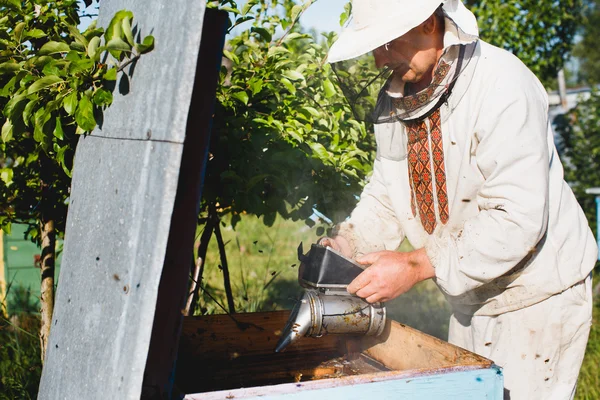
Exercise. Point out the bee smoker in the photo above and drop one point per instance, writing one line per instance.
(326, 307)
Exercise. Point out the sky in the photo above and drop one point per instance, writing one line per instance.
(323, 15)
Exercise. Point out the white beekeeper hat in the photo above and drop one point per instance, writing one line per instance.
(377, 22)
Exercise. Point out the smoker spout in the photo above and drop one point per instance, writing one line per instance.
(298, 324)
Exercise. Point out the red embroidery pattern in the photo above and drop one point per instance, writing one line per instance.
(411, 103)
(420, 171)
(437, 150)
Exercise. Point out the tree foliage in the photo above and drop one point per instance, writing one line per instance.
(54, 83)
(586, 49)
(540, 33)
(283, 137)
(579, 132)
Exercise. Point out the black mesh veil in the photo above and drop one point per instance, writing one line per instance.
(378, 96)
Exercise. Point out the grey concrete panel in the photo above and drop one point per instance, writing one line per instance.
(123, 192)
(117, 232)
(154, 101)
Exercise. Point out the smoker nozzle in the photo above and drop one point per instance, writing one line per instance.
(297, 325)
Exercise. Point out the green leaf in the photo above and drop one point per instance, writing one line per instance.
(312, 111)
(346, 14)
(117, 44)
(58, 130)
(44, 83)
(14, 105)
(17, 32)
(126, 25)
(41, 117)
(249, 4)
(277, 50)
(77, 47)
(14, 4)
(231, 56)
(241, 96)
(84, 116)
(60, 157)
(146, 46)
(255, 85)
(35, 34)
(6, 174)
(42, 60)
(295, 12)
(262, 32)
(295, 135)
(92, 48)
(7, 227)
(320, 150)
(79, 38)
(288, 85)
(82, 65)
(293, 75)
(70, 103)
(111, 74)
(114, 29)
(51, 68)
(102, 97)
(231, 10)
(7, 131)
(329, 88)
(296, 35)
(29, 110)
(9, 66)
(255, 179)
(54, 48)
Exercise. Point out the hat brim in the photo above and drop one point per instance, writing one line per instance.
(356, 41)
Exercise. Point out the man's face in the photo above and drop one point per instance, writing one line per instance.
(412, 56)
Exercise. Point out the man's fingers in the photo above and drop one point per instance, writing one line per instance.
(327, 241)
(374, 298)
(368, 259)
(359, 282)
(366, 291)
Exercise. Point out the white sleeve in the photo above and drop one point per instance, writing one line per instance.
(373, 225)
(513, 157)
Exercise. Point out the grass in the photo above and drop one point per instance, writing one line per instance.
(588, 386)
(263, 265)
(20, 364)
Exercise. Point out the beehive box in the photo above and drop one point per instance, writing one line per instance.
(232, 357)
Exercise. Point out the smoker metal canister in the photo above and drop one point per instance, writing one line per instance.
(317, 314)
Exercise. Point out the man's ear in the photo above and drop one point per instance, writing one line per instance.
(429, 26)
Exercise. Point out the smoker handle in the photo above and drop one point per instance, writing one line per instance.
(301, 256)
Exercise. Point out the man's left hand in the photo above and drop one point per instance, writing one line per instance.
(390, 274)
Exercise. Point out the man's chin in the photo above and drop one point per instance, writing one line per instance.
(406, 76)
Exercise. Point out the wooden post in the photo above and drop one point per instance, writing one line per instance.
(3, 305)
(47, 285)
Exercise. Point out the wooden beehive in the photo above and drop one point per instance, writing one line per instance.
(232, 357)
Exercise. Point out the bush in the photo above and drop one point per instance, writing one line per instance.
(588, 387)
(20, 361)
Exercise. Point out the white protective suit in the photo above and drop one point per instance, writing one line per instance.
(514, 253)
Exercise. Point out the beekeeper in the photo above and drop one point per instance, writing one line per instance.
(467, 171)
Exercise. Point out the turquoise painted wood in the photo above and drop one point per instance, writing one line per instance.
(477, 384)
